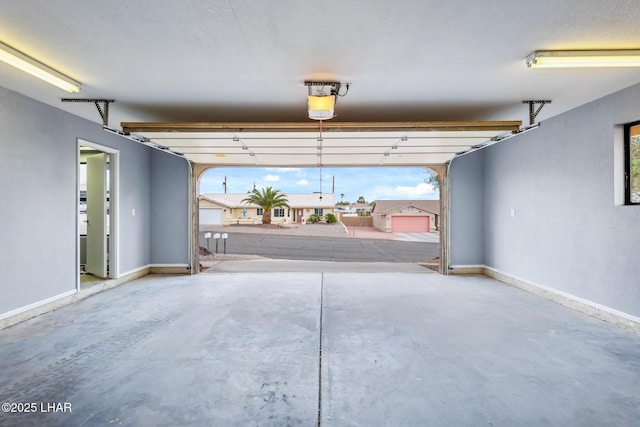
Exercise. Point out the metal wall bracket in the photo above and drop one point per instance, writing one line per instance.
(326, 88)
(532, 113)
(104, 110)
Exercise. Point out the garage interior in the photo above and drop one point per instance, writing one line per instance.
(533, 319)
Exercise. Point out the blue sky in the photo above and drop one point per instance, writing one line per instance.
(372, 183)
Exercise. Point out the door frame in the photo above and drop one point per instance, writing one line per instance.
(114, 211)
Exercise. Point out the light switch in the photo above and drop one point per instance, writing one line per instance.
(513, 213)
(133, 212)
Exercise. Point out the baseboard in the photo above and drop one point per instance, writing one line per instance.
(161, 269)
(574, 302)
(112, 283)
(135, 270)
(50, 304)
(467, 269)
(170, 269)
(23, 313)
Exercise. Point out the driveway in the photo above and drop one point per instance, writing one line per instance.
(316, 248)
(418, 237)
(325, 230)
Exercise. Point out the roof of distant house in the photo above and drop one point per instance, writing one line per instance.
(387, 206)
(366, 206)
(308, 200)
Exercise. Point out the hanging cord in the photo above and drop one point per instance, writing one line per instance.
(320, 158)
(319, 146)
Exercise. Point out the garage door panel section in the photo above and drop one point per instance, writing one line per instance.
(410, 224)
(210, 216)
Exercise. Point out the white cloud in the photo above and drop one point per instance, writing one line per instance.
(271, 178)
(401, 192)
(302, 182)
(419, 190)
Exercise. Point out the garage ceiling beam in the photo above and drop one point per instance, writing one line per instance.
(129, 127)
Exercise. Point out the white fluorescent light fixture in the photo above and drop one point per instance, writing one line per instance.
(37, 69)
(584, 58)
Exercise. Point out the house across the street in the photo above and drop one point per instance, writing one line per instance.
(406, 216)
(226, 209)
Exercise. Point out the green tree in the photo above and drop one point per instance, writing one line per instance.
(267, 199)
(361, 200)
(433, 179)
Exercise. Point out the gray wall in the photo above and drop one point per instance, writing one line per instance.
(135, 231)
(567, 233)
(38, 154)
(466, 177)
(169, 209)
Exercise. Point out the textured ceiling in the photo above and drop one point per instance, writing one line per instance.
(244, 60)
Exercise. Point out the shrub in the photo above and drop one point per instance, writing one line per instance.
(313, 219)
(331, 218)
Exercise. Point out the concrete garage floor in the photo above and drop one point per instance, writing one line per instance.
(397, 349)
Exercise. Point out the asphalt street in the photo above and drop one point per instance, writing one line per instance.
(325, 248)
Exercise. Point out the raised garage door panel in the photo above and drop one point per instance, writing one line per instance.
(210, 216)
(410, 224)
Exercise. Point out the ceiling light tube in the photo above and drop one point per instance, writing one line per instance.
(37, 69)
(584, 58)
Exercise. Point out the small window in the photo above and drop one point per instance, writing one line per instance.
(318, 211)
(259, 211)
(278, 213)
(632, 163)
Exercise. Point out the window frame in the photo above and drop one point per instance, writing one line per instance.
(627, 164)
(319, 212)
(276, 211)
(259, 211)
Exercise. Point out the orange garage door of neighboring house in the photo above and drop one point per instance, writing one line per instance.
(410, 224)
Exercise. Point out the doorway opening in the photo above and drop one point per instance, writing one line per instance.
(333, 214)
(97, 213)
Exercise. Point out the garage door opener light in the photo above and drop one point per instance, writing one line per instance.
(321, 99)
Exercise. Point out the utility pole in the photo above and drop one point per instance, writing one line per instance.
(225, 184)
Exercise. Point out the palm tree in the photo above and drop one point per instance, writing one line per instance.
(267, 200)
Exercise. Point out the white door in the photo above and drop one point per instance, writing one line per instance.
(97, 215)
(210, 216)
